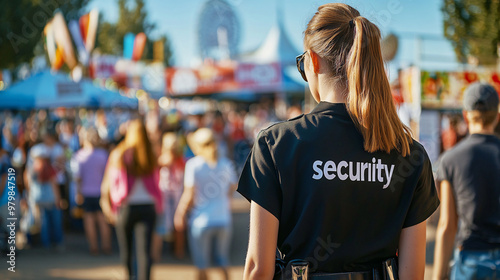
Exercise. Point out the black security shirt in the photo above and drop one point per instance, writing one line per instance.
(339, 207)
(473, 169)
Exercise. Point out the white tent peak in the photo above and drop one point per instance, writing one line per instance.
(277, 46)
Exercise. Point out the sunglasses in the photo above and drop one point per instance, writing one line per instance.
(300, 65)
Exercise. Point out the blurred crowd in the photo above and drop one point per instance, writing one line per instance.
(65, 157)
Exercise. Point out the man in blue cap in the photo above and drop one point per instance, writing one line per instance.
(469, 180)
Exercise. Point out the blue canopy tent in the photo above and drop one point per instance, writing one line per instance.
(52, 89)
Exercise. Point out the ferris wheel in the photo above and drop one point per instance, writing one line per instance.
(218, 31)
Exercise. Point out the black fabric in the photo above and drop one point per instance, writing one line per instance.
(337, 225)
(136, 223)
(473, 169)
(91, 204)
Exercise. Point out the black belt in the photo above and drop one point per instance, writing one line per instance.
(387, 271)
(368, 275)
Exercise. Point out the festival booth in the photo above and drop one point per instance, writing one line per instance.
(267, 71)
(439, 95)
(51, 89)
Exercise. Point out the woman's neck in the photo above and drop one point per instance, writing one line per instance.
(330, 91)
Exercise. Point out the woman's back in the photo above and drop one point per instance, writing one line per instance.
(339, 207)
(89, 166)
(212, 185)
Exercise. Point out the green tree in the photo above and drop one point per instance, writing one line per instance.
(130, 19)
(473, 26)
(22, 23)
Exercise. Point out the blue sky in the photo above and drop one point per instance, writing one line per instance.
(405, 18)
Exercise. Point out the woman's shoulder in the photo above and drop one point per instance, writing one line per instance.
(281, 128)
(194, 162)
(418, 153)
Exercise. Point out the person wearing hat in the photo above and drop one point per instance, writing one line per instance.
(469, 176)
(209, 182)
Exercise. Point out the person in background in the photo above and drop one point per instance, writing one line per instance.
(6, 191)
(171, 165)
(469, 176)
(55, 151)
(68, 137)
(44, 198)
(88, 166)
(209, 182)
(130, 189)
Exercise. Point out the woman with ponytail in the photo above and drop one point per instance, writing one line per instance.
(344, 189)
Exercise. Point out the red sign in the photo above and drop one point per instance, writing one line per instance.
(213, 78)
(259, 76)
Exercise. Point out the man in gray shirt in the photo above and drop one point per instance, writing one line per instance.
(469, 176)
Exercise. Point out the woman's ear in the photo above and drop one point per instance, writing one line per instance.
(315, 61)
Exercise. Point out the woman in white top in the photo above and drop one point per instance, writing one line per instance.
(209, 182)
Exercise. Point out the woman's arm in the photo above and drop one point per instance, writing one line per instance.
(57, 194)
(412, 252)
(261, 254)
(104, 201)
(446, 230)
(185, 204)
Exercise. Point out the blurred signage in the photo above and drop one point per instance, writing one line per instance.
(208, 78)
(68, 88)
(430, 133)
(153, 77)
(213, 78)
(446, 89)
(103, 66)
(255, 76)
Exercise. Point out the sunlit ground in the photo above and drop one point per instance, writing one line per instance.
(75, 263)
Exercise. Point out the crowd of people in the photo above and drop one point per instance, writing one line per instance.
(165, 175)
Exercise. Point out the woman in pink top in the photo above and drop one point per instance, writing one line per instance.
(131, 190)
(172, 165)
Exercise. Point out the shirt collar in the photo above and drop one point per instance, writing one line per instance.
(330, 108)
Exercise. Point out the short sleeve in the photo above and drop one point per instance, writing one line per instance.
(57, 151)
(229, 172)
(425, 198)
(189, 174)
(259, 179)
(75, 167)
(443, 172)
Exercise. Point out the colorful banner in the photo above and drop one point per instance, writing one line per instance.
(139, 44)
(212, 78)
(259, 76)
(63, 40)
(128, 45)
(83, 54)
(209, 78)
(91, 32)
(446, 89)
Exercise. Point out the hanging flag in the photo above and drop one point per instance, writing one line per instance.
(159, 51)
(63, 40)
(49, 42)
(128, 45)
(84, 26)
(58, 60)
(139, 44)
(74, 29)
(91, 30)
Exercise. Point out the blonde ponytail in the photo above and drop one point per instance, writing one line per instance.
(369, 101)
